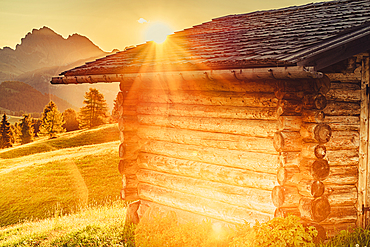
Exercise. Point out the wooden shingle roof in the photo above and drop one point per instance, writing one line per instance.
(317, 35)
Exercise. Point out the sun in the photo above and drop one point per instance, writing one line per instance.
(157, 32)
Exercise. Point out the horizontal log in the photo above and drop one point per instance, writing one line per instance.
(285, 196)
(342, 175)
(344, 92)
(337, 108)
(345, 77)
(287, 141)
(298, 85)
(207, 139)
(343, 140)
(343, 157)
(128, 166)
(313, 151)
(125, 110)
(219, 111)
(285, 174)
(199, 205)
(250, 198)
(343, 122)
(210, 98)
(312, 132)
(288, 159)
(259, 162)
(289, 107)
(151, 210)
(340, 215)
(345, 86)
(342, 195)
(258, 128)
(314, 209)
(314, 101)
(261, 86)
(312, 116)
(289, 123)
(279, 94)
(215, 173)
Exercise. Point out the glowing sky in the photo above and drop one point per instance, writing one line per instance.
(115, 23)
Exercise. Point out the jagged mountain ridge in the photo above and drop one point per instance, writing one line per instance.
(43, 54)
(45, 48)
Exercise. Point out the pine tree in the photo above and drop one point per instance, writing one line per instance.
(115, 110)
(71, 121)
(5, 133)
(52, 121)
(26, 129)
(95, 111)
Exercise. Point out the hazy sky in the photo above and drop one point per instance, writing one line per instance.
(114, 23)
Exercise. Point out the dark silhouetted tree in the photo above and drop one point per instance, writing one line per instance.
(52, 121)
(36, 123)
(5, 133)
(71, 121)
(95, 111)
(26, 129)
(115, 110)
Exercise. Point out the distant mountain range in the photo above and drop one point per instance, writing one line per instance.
(43, 54)
(17, 97)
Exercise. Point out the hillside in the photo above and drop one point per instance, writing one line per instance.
(17, 96)
(65, 174)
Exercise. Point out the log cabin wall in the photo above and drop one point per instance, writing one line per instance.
(206, 147)
(244, 151)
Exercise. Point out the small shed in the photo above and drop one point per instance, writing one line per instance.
(248, 117)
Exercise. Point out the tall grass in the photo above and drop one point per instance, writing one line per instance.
(35, 186)
(94, 226)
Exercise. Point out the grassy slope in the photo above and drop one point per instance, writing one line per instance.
(64, 174)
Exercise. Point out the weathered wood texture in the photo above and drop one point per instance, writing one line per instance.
(251, 198)
(200, 205)
(206, 147)
(205, 171)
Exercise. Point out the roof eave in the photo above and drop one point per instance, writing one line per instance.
(335, 50)
(278, 73)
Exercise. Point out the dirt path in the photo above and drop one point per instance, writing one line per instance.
(10, 165)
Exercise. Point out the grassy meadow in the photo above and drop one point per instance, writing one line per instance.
(64, 175)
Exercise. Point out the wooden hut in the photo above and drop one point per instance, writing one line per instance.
(248, 117)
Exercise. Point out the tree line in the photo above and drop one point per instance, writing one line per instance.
(52, 122)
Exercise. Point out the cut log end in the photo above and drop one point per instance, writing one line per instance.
(314, 209)
(320, 102)
(320, 169)
(317, 189)
(320, 209)
(322, 133)
(320, 151)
